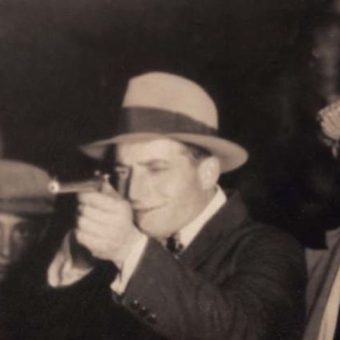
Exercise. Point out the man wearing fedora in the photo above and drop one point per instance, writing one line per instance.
(25, 214)
(190, 263)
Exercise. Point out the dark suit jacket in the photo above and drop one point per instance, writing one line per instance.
(237, 280)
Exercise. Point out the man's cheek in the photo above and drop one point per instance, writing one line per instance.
(170, 188)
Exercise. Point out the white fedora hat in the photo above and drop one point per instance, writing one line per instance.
(158, 105)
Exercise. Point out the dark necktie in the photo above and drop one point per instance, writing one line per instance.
(173, 245)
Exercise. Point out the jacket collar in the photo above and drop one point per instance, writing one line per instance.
(225, 220)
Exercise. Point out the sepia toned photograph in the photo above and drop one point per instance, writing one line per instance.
(169, 170)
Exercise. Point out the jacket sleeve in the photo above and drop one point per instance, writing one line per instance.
(255, 293)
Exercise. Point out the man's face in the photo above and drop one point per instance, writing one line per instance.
(163, 185)
(16, 235)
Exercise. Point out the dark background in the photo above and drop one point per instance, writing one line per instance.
(64, 65)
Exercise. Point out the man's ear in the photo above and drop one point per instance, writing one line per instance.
(209, 172)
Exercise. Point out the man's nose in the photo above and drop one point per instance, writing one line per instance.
(137, 187)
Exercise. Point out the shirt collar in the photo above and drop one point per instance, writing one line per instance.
(186, 235)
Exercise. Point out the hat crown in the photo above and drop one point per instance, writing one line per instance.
(171, 93)
(24, 188)
(163, 105)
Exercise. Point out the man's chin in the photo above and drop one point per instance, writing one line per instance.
(157, 230)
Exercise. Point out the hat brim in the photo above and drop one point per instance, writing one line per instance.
(230, 154)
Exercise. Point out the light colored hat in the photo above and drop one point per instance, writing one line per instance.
(160, 104)
(23, 189)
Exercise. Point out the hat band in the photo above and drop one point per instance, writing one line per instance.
(21, 205)
(141, 119)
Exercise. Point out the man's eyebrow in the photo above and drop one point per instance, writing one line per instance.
(155, 162)
(33, 219)
(33, 224)
(144, 163)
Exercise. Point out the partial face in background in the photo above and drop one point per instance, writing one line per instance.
(164, 185)
(17, 234)
(1, 144)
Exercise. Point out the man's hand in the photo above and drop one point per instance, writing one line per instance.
(105, 226)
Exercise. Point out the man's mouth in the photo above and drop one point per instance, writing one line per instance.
(143, 211)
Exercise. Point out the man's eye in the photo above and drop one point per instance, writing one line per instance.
(158, 169)
(24, 231)
(121, 172)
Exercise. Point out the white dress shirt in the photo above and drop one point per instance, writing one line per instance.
(330, 317)
(63, 271)
(331, 312)
(323, 290)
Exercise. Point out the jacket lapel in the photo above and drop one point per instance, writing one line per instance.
(230, 216)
